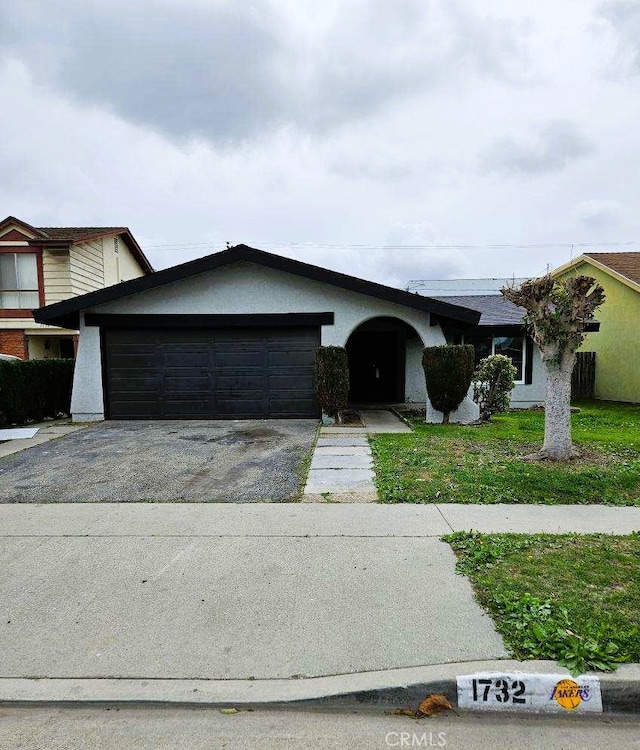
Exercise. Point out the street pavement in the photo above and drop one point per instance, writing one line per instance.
(174, 728)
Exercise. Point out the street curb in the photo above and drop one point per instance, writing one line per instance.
(386, 690)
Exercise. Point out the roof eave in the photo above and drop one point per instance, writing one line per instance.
(589, 259)
(242, 253)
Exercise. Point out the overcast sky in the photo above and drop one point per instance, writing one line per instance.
(327, 131)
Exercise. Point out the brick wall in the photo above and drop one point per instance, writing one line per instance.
(13, 342)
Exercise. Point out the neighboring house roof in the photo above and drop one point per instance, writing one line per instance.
(66, 313)
(626, 264)
(77, 234)
(623, 266)
(497, 311)
(62, 236)
(494, 309)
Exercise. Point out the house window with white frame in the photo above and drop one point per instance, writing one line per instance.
(19, 281)
(511, 346)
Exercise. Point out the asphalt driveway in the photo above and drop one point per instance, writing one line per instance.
(164, 461)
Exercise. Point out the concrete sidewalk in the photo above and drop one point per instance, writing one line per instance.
(247, 602)
(46, 431)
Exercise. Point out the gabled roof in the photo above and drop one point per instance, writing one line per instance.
(77, 234)
(494, 309)
(623, 266)
(626, 264)
(66, 313)
(63, 236)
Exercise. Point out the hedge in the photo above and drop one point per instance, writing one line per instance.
(332, 379)
(35, 389)
(448, 371)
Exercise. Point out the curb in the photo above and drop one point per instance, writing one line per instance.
(387, 690)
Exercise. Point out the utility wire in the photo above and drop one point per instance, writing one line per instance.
(324, 245)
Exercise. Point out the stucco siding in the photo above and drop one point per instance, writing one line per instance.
(86, 267)
(246, 288)
(533, 394)
(87, 396)
(415, 384)
(617, 344)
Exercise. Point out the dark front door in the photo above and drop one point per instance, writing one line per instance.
(376, 366)
(210, 374)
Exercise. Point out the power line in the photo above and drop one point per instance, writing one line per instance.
(324, 245)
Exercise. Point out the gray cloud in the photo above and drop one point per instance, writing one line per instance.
(203, 71)
(556, 145)
(624, 17)
(597, 214)
(225, 71)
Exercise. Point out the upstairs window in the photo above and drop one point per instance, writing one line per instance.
(19, 281)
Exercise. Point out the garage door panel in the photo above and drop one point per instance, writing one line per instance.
(230, 373)
(137, 385)
(185, 408)
(186, 358)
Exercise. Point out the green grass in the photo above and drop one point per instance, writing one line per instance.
(484, 464)
(572, 598)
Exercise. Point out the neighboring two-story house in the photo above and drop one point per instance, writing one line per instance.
(43, 265)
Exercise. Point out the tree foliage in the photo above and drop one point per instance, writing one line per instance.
(558, 311)
(493, 382)
(332, 379)
(448, 371)
(557, 314)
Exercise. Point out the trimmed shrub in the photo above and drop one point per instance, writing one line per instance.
(35, 389)
(448, 371)
(493, 382)
(332, 379)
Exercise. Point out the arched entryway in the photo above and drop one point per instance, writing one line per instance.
(377, 353)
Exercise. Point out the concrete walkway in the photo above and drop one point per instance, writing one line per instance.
(342, 466)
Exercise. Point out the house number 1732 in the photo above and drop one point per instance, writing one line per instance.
(499, 690)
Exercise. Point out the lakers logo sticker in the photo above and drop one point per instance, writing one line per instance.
(570, 694)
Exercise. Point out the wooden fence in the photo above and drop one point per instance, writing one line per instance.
(583, 379)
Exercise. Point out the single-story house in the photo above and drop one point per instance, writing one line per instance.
(234, 335)
(617, 345)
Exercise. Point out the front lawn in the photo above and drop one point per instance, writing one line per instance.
(484, 464)
(572, 598)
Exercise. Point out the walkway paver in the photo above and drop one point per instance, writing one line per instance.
(342, 466)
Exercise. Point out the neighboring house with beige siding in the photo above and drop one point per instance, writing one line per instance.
(43, 265)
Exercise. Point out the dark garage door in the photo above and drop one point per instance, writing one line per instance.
(206, 374)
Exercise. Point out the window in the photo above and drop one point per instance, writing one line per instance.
(18, 281)
(511, 346)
